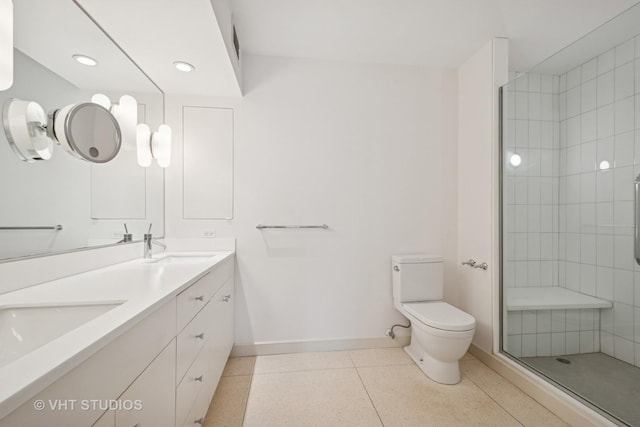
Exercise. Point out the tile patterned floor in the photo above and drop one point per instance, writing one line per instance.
(377, 387)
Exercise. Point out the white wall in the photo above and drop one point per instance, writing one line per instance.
(369, 150)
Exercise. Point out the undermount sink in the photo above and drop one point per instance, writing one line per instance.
(24, 329)
(182, 258)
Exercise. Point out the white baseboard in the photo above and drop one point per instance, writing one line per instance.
(560, 403)
(266, 348)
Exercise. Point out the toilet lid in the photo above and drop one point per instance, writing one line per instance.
(441, 315)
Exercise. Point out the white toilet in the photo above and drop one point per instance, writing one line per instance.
(440, 333)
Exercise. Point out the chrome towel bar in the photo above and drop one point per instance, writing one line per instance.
(52, 227)
(262, 227)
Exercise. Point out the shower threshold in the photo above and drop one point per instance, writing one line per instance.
(611, 384)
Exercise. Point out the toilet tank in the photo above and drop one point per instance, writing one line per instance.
(417, 277)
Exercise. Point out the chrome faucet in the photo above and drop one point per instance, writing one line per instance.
(149, 242)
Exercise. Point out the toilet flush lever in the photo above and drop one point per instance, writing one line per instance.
(470, 262)
(482, 265)
(396, 268)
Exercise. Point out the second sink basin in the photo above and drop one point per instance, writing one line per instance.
(24, 329)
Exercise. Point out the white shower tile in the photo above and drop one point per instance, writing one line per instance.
(636, 109)
(588, 95)
(520, 224)
(605, 121)
(624, 146)
(623, 183)
(625, 52)
(587, 342)
(532, 164)
(588, 187)
(606, 61)
(589, 69)
(546, 273)
(546, 218)
(623, 252)
(533, 251)
(558, 344)
(562, 83)
(623, 320)
(624, 350)
(534, 134)
(529, 343)
(529, 322)
(514, 322)
(606, 320)
(604, 251)
(573, 189)
(521, 190)
(605, 151)
(572, 275)
(637, 355)
(533, 216)
(574, 105)
(521, 246)
(587, 319)
(624, 81)
(574, 78)
(546, 83)
(623, 217)
(605, 87)
(624, 115)
(514, 345)
(546, 190)
(606, 343)
(534, 106)
(574, 157)
(522, 133)
(558, 320)
(573, 249)
(521, 274)
(533, 270)
(546, 162)
(522, 82)
(588, 279)
(543, 321)
(522, 105)
(588, 124)
(623, 286)
(546, 135)
(636, 324)
(588, 249)
(533, 191)
(604, 282)
(637, 73)
(636, 294)
(534, 82)
(573, 320)
(604, 218)
(604, 186)
(588, 156)
(548, 109)
(573, 342)
(588, 217)
(543, 344)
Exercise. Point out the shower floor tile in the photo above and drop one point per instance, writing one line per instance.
(607, 382)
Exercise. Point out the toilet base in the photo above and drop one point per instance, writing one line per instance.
(441, 372)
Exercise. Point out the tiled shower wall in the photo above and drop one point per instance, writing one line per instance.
(589, 172)
(599, 112)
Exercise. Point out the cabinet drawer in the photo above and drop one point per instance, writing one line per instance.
(221, 340)
(191, 386)
(193, 299)
(191, 340)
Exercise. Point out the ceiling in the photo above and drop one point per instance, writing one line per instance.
(437, 33)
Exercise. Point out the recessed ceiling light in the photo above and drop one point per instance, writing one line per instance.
(184, 66)
(85, 60)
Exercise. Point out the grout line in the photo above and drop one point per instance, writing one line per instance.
(368, 395)
(491, 397)
(246, 402)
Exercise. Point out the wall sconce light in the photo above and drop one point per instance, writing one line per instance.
(153, 145)
(125, 112)
(25, 124)
(6, 44)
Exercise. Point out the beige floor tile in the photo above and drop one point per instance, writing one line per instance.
(239, 366)
(404, 396)
(333, 397)
(229, 402)
(302, 362)
(468, 356)
(522, 407)
(380, 357)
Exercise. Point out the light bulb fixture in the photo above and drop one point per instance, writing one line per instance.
(515, 160)
(6, 44)
(185, 67)
(153, 145)
(126, 113)
(85, 60)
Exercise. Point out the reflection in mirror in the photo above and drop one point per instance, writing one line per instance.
(91, 201)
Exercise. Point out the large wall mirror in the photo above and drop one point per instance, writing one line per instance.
(90, 201)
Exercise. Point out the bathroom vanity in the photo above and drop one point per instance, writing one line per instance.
(134, 344)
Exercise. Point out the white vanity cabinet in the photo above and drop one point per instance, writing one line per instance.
(162, 371)
(198, 366)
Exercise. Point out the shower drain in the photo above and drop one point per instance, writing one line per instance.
(563, 360)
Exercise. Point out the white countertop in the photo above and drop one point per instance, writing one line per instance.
(550, 298)
(140, 286)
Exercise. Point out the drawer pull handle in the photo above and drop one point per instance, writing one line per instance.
(199, 421)
(200, 298)
(200, 336)
(226, 298)
(198, 378)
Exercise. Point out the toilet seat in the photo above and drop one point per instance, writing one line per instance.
(440, 315)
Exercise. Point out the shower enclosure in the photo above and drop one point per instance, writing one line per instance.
(570, 158)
